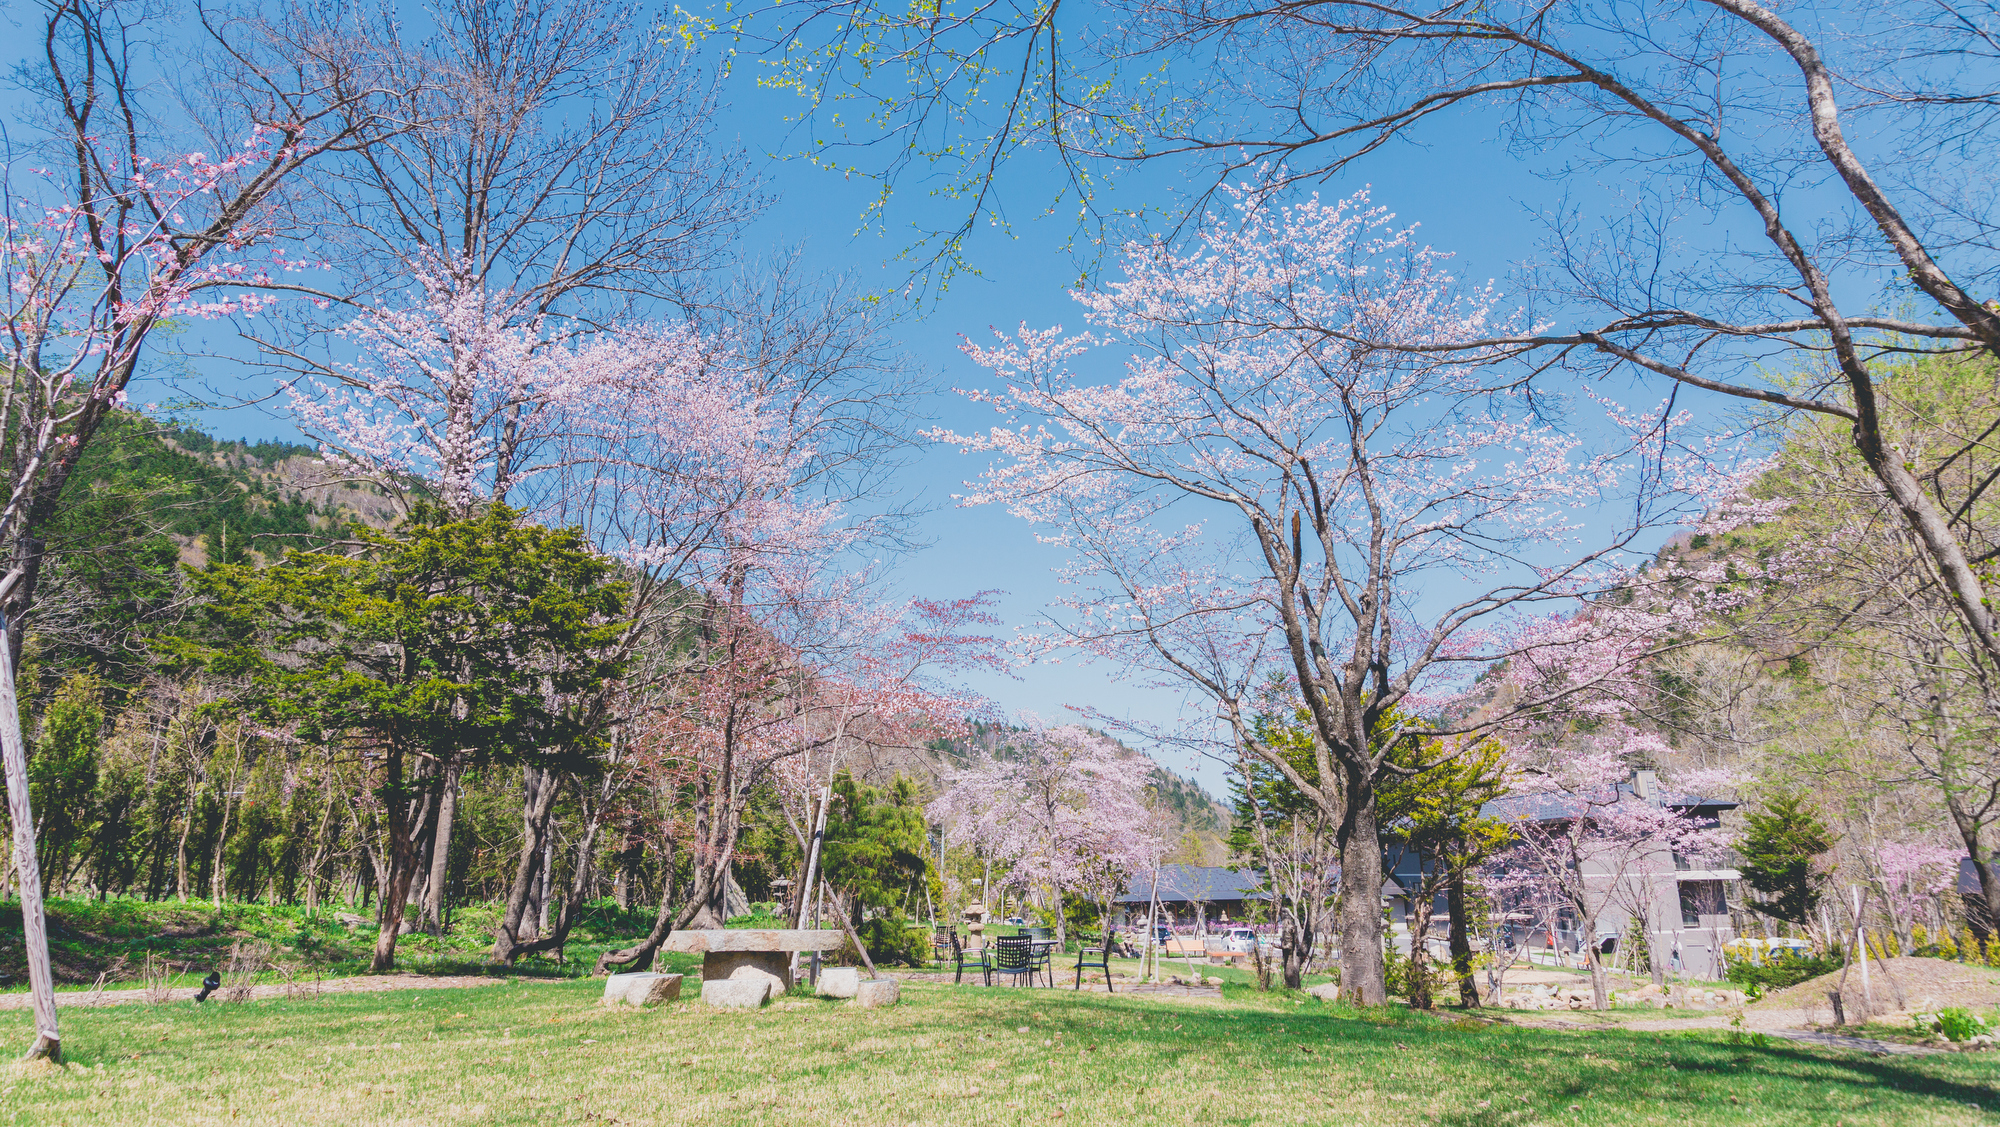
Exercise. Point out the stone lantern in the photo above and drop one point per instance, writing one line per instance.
(975, 926)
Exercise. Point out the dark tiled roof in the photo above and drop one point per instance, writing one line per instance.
(1555, 807)
(1196, 882)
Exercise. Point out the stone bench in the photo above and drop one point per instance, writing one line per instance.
(748, 955)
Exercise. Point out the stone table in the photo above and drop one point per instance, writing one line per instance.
(740, 954)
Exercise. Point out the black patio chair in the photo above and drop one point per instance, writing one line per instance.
(1014, 956)
(1096, 958)
(1045, 953)
(980, 961)
(944, 943)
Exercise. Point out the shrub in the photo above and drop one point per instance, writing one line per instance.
(1956, 1023)
(891, 939)
(1402, 975)
(1779, 971)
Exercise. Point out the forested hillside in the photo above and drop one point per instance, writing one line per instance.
(149, 498)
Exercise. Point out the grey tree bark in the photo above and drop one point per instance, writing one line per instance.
(34, 920)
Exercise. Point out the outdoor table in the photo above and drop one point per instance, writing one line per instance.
(725, 951)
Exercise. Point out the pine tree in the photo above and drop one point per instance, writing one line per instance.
(1779, 853)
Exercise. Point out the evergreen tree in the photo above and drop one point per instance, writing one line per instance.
(1780, 850)
(445, 644)
(1435, 812)
(62, 772)
(877, 855)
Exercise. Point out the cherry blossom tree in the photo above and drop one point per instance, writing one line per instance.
(1586, 840)
(1062, 807)
(673, 449)
(1913, 876)
(788, 699)
(883, 691)
(1714, 274)
(118, 234)
(1265, 490)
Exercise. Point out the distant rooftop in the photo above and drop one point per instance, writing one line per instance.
(1196, 882)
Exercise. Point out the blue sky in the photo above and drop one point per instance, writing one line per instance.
(1468, 194)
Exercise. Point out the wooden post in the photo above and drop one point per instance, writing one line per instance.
(809, 904)
(1861, 951)
(34, 923)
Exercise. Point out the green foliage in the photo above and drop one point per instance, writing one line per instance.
(115, 935)
(1413, 978)
(877, 849)
(1955, 1023)
(762, 916)
(1781, 849)
(891, 938)
(766, 850)
(1780, 970)
(1434, 811)
(459, 641)
(110, 580)
(63, 769)
(1260, 791)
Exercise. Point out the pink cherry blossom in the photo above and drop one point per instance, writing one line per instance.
(1060, 808)
(1303, 472)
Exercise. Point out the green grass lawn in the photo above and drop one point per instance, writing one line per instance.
(545, 1052)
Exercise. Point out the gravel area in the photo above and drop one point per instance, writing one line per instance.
(75, 999)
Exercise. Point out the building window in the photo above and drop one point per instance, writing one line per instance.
(1701, 898)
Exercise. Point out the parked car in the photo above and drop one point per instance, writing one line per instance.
(1240, 939)
(1015, 921)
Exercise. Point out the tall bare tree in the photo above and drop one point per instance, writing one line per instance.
(563, 170)
(123, 233)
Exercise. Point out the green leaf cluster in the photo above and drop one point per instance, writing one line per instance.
(877, 848)
(468, 641)
(1781, 849)
(1435, 809)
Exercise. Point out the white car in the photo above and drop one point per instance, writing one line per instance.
(1240, 939)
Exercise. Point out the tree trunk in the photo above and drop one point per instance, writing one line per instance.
(1600, 987)
(710, 895)
(407, 817)
(1297, 950)
(181, 854)
(1461, 941)
(218, 881)
(1421, 899)
(1982, 864)
(664, 924)
(540, 803)
(433, 915)
(545, 885)
(318, 855)
(805, 891)
(583, 876)
(34, 924)
(1362, 979)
